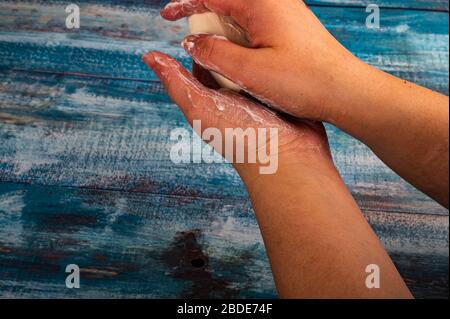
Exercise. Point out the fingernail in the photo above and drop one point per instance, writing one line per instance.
(189, 43)
(171, 10)
(171, 5)
(149, 59)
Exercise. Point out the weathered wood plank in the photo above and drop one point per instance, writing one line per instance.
(171, 246)
(437, 5)
(114, 134)
(128, 244)
(86, 124)
(403, 46)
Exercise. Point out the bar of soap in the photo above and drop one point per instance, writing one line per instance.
(212, 23)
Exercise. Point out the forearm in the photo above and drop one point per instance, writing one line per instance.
(406, 125)
(307, 73)
(318, 242)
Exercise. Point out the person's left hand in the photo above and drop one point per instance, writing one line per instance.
(200, 98)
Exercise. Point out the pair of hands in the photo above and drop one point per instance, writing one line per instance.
(297, 67)
(286, 67)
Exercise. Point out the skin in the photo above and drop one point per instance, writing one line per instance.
(313, 76)
(318, 242)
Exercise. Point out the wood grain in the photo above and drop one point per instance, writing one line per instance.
(134, 244)
(85, 175)
(436, 5)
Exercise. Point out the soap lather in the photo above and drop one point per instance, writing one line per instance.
(211, 23)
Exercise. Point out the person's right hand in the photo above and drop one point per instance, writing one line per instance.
(294, 64)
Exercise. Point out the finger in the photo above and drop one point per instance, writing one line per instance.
(222, 110)
(215, 108)
(239, 10)
(184, 89)
(178, 9)
(239, 64)
(196, 101)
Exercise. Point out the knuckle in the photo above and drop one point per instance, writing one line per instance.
(206, 49)
(244, 6)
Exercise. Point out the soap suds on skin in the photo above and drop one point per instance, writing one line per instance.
(242, 109)
(218, 28)
(180, 7)
(230, 105)
(212, 25)
(187, 45)
(221, 99)
(223, 79)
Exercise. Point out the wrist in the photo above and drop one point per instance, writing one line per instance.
(295, 170)
(357, 102)
(345, 90)
(324, 94)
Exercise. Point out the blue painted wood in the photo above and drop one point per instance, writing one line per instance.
(130, 244)
(410, 44)
(114, 134)
(437, 5)
(85, 175)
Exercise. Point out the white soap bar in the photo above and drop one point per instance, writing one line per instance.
(211, 23)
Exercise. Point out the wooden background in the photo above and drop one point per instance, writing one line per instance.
(85, 174)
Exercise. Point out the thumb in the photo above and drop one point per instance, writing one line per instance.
(239, 10)
(239, 64)
(185, 90)
(219, 109)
